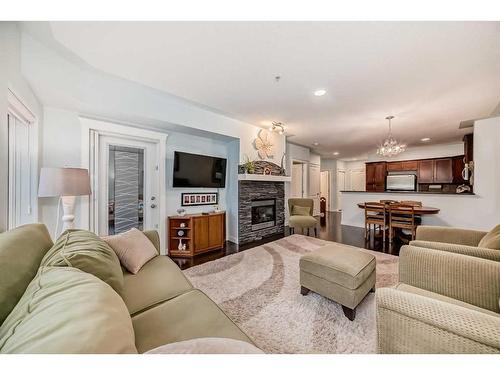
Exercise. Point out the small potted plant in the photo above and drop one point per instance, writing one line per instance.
(249, 165)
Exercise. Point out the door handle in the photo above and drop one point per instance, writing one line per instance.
(153, 205)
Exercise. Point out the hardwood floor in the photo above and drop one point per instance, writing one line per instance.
(330, 229)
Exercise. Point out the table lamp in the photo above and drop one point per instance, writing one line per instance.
(67, 184)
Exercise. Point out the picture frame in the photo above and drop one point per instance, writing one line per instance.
(199, 199)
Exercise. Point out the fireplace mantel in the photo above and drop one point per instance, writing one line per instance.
(263, 177)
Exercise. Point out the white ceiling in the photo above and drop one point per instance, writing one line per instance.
(429, 75)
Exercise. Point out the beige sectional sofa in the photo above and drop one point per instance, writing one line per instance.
(52, 301)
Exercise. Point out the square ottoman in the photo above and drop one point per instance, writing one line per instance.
(339, 272)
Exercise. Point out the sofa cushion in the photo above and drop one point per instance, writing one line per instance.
(133, 249)
(207, 345)
(158, 280)
(188, 316)
(302, 221)
(425, 293)
(86, 251)
(65, 310)
(21, 251)
(300, 210)
(341, 264)
(492, 239)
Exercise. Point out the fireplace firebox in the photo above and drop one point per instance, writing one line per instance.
(263, 213)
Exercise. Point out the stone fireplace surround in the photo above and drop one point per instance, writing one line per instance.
(257, 190)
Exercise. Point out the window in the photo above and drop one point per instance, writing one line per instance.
(23, 150)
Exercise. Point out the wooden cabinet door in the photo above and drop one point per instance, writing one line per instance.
(380, 174)
(370, 173)
(200, 233)
(215, 230)
(370, 177)
(411, 165)
(395, 166)
(443, 171)
(458, 167)
(426, 171)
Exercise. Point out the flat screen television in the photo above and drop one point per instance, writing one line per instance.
(191, 170)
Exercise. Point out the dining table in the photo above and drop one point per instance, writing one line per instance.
(419, 210)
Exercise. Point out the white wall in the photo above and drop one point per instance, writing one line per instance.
(479, 211)
(11, 78)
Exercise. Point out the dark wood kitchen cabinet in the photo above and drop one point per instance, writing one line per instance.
(440, 171)
(426, 171)
(458, 167)
(443, 171)
(375, 176)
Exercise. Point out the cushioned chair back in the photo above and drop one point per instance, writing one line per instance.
(302, 202)
(21, 251)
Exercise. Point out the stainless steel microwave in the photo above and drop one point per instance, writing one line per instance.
(401, 182)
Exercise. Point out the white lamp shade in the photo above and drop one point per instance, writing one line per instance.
(59, 182)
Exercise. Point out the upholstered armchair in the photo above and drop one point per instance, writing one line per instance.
(445, 302)
(461, 241)
(301, 210)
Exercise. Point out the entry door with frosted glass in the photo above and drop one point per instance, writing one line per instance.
(128, 182)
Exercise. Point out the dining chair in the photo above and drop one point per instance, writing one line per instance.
(413, 203)
(376, 215)
(388, 201)
(402, 216)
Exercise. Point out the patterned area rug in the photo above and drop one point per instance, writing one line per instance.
(259, 289)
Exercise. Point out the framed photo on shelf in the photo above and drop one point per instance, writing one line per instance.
(199, 199)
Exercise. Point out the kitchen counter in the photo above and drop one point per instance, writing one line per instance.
(405, 192)
(452, 207)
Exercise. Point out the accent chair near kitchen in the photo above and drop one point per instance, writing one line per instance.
(301, 210)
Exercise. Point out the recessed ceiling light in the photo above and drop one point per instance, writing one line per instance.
(320, 92)
(425, 139)
(315, 143)
(336, 153)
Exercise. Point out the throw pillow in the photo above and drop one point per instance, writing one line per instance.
(301, 211)
(492, 239)
(86, 251)
(207, 345)
(133, 249)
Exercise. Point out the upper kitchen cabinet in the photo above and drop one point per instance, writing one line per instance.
(375, 176)
(426, 171)
(441, 171)
(408, 165)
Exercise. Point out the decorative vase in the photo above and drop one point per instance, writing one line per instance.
(181, 247)
(181, 211)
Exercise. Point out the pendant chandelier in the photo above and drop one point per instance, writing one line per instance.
(390, 146)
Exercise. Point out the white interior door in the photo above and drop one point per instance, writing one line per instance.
(128, 195)
(340, 187)
(325, 188)
(22, 172)
(297, 184)
(314, 186)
